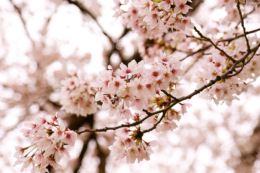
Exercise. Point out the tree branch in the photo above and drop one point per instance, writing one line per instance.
(245, 16)
(209, 40)
(241, 35)
(169, 95)
(193, 53)
(156, 124)
(113, 44)
(224, 40)
(178, 100)
(116, 127)
(243, 25)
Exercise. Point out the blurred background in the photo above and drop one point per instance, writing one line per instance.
(43, 42)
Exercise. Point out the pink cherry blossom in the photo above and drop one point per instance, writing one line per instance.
(47, 145)
(166, 4)
(181, 6)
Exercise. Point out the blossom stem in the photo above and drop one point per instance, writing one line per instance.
(243, 25)
(209, 40)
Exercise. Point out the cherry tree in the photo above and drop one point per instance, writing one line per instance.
(150, 91)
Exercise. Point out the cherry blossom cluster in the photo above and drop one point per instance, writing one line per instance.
(77, 96)
(130, 145)
(216, 63)
(138, 86)
(153, 18)
(49, 143)
(143, 94)
(133, 89)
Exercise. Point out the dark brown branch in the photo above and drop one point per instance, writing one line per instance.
(116, 127)
(236, 73)
(243, 25)
(209, 40)
(224, 40)
(250, 58)
(241, 35)
(113, 44)
(197, 38)
(156, 124)
(245, 16)
(86, 11)
(193, 53)
(169, 95)
(228, 39)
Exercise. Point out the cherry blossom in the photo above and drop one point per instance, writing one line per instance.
(151, 18)
(181, 6)
(144, 95)
(49, 145)
(77, 96)
(132, 147)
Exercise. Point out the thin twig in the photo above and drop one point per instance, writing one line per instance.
(209, 40)
(243, 25)
(86, 11)
(117, 127)
(169, 95)
(250, 58)
(193, 53)
(224, 40)
(241, 35)
(113, 44)
(245, 16)
(201, 39)
(156, 124)
(242, 67)
(228, 39)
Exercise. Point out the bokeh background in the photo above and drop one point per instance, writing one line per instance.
(43, 42)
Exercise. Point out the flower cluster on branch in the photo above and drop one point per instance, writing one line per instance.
(144, 95)
(77, 96)
(49, 139)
